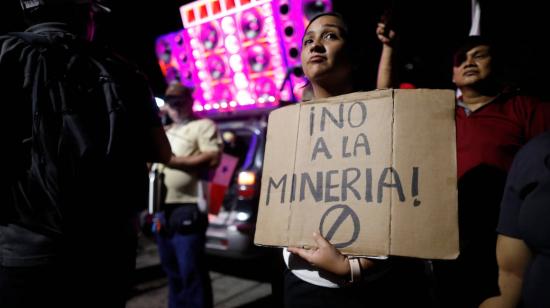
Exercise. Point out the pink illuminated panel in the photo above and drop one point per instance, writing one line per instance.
(239, 54)
(175, 59)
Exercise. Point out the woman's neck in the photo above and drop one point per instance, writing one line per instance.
(320, 91)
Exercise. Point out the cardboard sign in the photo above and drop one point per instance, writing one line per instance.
(373, 172)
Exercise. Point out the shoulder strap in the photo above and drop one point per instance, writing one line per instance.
(31, 38)
(112, 100)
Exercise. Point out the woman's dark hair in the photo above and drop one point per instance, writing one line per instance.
(350, 47)
(335, 14)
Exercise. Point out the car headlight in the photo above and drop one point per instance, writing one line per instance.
(242, 216)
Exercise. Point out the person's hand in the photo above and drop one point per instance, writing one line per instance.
(324, 256)
(386, 37)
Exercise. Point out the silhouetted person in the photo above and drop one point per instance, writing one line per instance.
(84, 126)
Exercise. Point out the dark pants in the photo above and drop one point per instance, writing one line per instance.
(87, 277)
(37, 286)
(404, 285)
(184, 261)
(467, 281)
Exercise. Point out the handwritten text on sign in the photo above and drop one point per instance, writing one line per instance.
(337, 187)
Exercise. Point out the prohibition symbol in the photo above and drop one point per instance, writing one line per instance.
(346, 213)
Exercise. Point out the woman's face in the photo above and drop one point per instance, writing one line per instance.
(324, 58)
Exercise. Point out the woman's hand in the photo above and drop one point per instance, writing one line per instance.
(325, 256)
(386, 36)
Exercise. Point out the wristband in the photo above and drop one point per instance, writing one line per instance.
(355, 269)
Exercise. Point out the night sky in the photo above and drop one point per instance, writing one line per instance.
(428, 31)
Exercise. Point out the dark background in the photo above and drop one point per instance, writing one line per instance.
(428, 31)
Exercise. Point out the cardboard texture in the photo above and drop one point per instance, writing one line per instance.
(373, 172)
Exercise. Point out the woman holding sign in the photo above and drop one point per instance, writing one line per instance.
(322, 276)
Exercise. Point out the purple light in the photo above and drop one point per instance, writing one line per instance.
(236, 54)
(251, 23)
(216, 67)
(209, 36)
(265, 87)
(258, 58)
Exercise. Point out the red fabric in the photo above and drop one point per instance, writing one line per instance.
(494, 133)
(407, 85)
(217, 193)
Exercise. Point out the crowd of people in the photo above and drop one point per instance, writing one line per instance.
(68, 159)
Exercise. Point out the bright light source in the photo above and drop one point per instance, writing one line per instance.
(159, 101)
(198, 107)
(232, 44)
(242, 216)
(228, 25)
(243, 97)
(240, 81)
(246, 178)
(236, 63)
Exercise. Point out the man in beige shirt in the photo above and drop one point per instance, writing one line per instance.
(197, 145)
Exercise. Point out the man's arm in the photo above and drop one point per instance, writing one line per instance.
(196, 162)
(513, 256)
(209, 150)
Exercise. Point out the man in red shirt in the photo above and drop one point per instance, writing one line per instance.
(491, 126)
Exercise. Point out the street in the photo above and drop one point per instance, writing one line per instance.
(235, 283)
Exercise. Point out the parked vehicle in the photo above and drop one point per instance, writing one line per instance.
(231, 230)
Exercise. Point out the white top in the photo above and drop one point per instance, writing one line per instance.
(311, 274)
(316, 276)
(189, 139)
